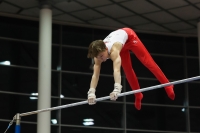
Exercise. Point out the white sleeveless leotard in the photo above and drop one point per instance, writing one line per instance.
(115, 36)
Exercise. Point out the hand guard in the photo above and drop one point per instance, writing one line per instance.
(91, 96)
(117, 90)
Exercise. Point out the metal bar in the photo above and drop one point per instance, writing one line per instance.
(17, 126)
(108, 97)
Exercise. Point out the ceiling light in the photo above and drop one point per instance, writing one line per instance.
(33, 98)
(88, 123)
(62, 96)
(54, 121)
(5, 62)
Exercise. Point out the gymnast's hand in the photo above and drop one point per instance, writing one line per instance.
(91, 96)
(117, 90)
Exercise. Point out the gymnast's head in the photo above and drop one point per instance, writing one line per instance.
(95, 48)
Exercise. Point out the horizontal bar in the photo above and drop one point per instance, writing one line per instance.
(108, 97)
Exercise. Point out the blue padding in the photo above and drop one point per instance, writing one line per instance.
(17, 129)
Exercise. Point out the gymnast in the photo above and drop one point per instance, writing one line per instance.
(116, 46)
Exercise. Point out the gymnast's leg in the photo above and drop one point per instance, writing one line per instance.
(131, 77)
(143, 55)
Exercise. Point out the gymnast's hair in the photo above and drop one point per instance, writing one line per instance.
(95, 48)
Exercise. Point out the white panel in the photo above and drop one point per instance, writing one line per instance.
(107, 22)
(114, 11)
(140, 6)
(178, 26)
(166, 4)
(4, 7)
(67, 18)
(94, 3)
(24, 3)
(69, 6)
(151, 27)
(161, 17)
(87, 14)
(31, 12)
(134, 20)
(186, 13)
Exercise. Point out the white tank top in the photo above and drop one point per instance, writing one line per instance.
(115, 36)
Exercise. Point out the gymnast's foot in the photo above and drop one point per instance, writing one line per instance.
(170, 91)
(138, 99)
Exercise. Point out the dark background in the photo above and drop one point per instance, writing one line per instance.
(176, 56)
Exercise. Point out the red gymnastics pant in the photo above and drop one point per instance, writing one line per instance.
(136, 46)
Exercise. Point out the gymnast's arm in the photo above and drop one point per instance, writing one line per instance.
(94, 81)
(115, 57)
(96, 73)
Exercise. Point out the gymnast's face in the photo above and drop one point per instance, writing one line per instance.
(103, 56)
